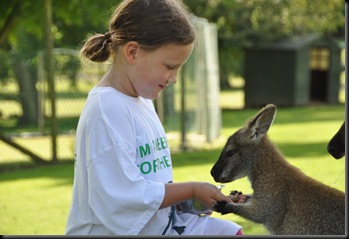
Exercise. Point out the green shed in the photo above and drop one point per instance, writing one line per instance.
(295, 71)
(325, 69)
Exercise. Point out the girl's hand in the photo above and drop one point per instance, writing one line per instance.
(209, 194)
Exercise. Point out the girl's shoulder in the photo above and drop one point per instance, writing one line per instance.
(109, 99)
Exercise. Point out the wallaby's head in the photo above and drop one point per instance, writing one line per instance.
(336, 146)
(239, 151)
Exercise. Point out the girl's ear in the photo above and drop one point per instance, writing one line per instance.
(131, 50)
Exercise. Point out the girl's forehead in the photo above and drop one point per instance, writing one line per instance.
(171, 46)
(176, 51)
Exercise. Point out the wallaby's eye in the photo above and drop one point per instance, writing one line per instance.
(255, 134)
(231, 153)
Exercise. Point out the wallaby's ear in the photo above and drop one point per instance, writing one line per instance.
(261, 122)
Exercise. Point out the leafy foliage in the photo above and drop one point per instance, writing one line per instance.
(242, 23)
(247, 22)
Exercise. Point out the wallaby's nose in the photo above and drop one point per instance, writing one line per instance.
(214, 174)
(330, 149)
(213, 170)
(335, 153)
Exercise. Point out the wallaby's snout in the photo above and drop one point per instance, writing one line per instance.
(214, 174)
(217, 171)
(336, 153)
(223, 170)
(217, 175)
(336, 146)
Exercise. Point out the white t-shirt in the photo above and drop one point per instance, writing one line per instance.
(122, 161)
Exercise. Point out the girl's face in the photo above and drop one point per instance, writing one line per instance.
(154, 70)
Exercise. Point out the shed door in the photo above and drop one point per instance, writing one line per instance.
(319, 65)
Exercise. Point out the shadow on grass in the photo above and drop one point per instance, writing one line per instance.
(63, 171)
(65, 168)
(13, 126)
(287, 115)
(288, 150)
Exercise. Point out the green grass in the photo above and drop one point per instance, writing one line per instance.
(36, 201)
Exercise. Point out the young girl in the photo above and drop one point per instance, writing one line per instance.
(123, 169)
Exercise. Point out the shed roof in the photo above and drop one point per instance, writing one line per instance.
(291, 43)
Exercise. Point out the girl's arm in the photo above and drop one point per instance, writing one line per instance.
(202, 191)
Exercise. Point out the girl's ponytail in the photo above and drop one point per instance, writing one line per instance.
(97, 48)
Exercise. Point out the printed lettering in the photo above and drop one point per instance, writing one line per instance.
(166, 161)
(145, 165)
(163, 143)
(155, 165)
(144, 151)
(162, 163)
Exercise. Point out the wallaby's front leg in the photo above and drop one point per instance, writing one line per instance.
(239, 197)
(237, 208)
(248, 210)
(236, 196)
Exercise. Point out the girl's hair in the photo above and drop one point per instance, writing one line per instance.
(151, 23)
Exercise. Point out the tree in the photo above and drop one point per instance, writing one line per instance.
(243, 23)
(240, 23)
(21, 65)
(21, 37)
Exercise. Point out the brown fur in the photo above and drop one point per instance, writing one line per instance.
(284, 200)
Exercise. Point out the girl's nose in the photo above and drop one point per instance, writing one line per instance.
(172, 80)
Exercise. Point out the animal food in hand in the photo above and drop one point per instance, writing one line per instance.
(237, 196)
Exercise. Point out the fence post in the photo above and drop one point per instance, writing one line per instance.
(183, 145)
(50, 75)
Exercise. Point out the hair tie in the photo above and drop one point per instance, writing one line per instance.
(107, 37)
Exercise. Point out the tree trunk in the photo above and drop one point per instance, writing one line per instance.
(9, 22)
(27, 92)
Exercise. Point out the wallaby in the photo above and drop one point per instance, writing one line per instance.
(336, 146)
(284, 200)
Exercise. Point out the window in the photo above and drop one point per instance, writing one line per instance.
(319, 59)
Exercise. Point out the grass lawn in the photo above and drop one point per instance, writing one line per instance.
(36, 201)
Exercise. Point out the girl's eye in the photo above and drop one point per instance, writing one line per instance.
(171, 67)
(230, 153)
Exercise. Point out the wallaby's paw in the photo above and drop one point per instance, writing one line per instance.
(220, 206)
(237, 197)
